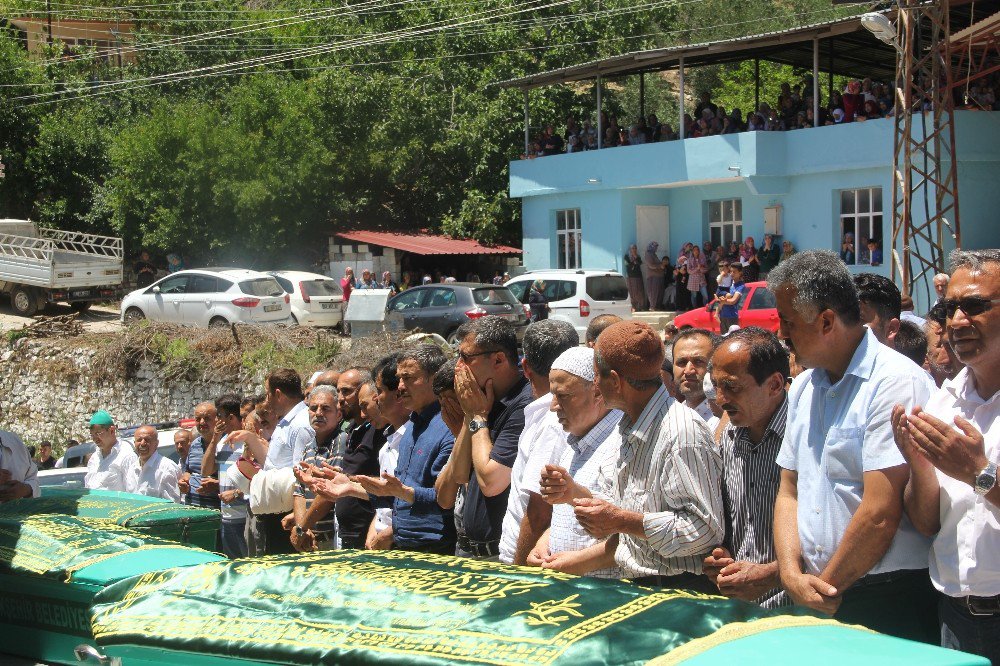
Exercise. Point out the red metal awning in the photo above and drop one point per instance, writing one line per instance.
(425, 243)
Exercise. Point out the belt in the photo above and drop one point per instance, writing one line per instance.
(479, 548)
(887, 577)
(981, 606)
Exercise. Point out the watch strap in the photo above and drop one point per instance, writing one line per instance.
(986, 480)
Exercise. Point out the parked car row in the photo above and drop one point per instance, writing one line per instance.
(224, 296)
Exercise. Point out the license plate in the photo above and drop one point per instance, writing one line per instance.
(273, 307)
(80, 294)
(507, 315)
(327, 306)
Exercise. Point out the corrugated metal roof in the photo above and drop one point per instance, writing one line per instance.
(857, 53)
(425, 243)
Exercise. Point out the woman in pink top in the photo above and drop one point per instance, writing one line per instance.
(748, 257)
(347, 283)
(697, 284)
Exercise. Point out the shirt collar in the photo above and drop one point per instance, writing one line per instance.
(963, 388)
(862, 363)
(425, 415)
(537, 405)
(152, 462)
(775, 427)
(292, 413)
(514, 391)
(640, 429)
(597, 434)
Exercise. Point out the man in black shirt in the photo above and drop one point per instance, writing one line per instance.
(493, 393)
(45, 459)
(360, 450)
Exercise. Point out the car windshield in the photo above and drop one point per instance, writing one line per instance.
(493, 296)
(261, 287)
(321, 288)
(607, 288)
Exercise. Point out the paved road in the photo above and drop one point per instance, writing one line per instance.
(96, 320)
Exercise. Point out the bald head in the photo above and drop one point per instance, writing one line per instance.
(146, 442)
(205, 415)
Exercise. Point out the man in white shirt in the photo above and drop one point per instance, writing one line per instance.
(691, 350)
(953, 447)
(527, 514)
(18, 472)
(153, 474)
(844, 546)
(111, 466)
(582, 466)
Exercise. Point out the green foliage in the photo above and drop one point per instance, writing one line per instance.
(257, 166)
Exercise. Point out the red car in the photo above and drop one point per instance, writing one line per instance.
(757, 308)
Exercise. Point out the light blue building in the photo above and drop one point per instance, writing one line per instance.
(808, 186)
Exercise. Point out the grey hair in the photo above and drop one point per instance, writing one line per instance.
(428, 356)
(324, 389)
(974, 260)
(822, 282)
(545, 340)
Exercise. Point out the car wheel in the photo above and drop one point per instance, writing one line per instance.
(295, 321)
(218, 322)
(133, 315)
(80, 306)
(24, 301)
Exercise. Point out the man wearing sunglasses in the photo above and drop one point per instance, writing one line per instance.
(953, 447)
(493, 394)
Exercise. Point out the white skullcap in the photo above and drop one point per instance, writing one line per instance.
(577, 361)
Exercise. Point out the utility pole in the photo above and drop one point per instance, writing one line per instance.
(48, 13)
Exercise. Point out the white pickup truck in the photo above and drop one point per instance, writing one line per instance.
(39, 266)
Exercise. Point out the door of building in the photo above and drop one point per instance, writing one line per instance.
(652, 223)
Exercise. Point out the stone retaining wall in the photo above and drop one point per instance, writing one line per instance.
(49, 389)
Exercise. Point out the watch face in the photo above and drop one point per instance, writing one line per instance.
(986, 480)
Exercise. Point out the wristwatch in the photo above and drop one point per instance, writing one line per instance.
(986, 479)
(475, 425)
(299, 531)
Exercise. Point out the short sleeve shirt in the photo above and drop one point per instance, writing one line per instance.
(484, 515)
(837, 432)
(733, 311)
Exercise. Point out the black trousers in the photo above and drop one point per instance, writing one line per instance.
(686, 581)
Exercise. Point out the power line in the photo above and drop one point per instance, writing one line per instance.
(438, 26)
(240, 71)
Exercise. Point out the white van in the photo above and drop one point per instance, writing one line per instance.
(577, 295)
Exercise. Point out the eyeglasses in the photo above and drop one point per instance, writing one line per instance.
(971, 305)
(465, 357)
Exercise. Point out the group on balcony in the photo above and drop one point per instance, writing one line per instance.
(860, 100)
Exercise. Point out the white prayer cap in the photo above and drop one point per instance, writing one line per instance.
(577, 361)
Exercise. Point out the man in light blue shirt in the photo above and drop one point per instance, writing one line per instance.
(844, 546)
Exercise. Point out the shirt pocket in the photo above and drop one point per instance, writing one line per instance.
(842, 459)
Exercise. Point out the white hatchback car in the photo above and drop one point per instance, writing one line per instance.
(316, 300)
(210, 297)
(577, 296)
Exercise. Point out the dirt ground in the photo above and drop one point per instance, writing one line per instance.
(98, 319)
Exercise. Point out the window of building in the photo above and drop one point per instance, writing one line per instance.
(568, 237)
(725, 221)
(860, 221)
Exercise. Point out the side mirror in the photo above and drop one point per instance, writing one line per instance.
(156, 290)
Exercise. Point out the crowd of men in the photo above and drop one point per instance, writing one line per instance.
(863, 488)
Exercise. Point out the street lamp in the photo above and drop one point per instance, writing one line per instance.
(880, 26)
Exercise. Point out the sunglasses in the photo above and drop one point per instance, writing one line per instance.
(466, 357)
(971, 305)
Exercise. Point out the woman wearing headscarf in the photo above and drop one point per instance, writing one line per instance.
(387, 283)
(697, 284)
(748, 257)
(537, 302)
(633, 271)
(654, 276)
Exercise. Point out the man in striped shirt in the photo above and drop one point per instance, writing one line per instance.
(749, 369)
(666, 500)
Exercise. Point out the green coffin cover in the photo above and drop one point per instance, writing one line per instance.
(150, 515)
(354, 607)
(51, 566)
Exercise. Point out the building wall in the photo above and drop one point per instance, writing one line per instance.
(803, 172)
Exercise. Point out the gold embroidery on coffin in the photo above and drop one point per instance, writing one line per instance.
(551, 612)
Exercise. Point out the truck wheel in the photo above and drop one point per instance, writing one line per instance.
(80, 306)
(24, 301)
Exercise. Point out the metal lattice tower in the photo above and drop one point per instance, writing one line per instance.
(925, 197)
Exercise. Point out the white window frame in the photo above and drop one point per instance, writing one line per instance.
(730, 219)
(864, 225)
(568, 238)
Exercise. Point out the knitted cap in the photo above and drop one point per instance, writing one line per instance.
(577, 361)
(632, 349)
